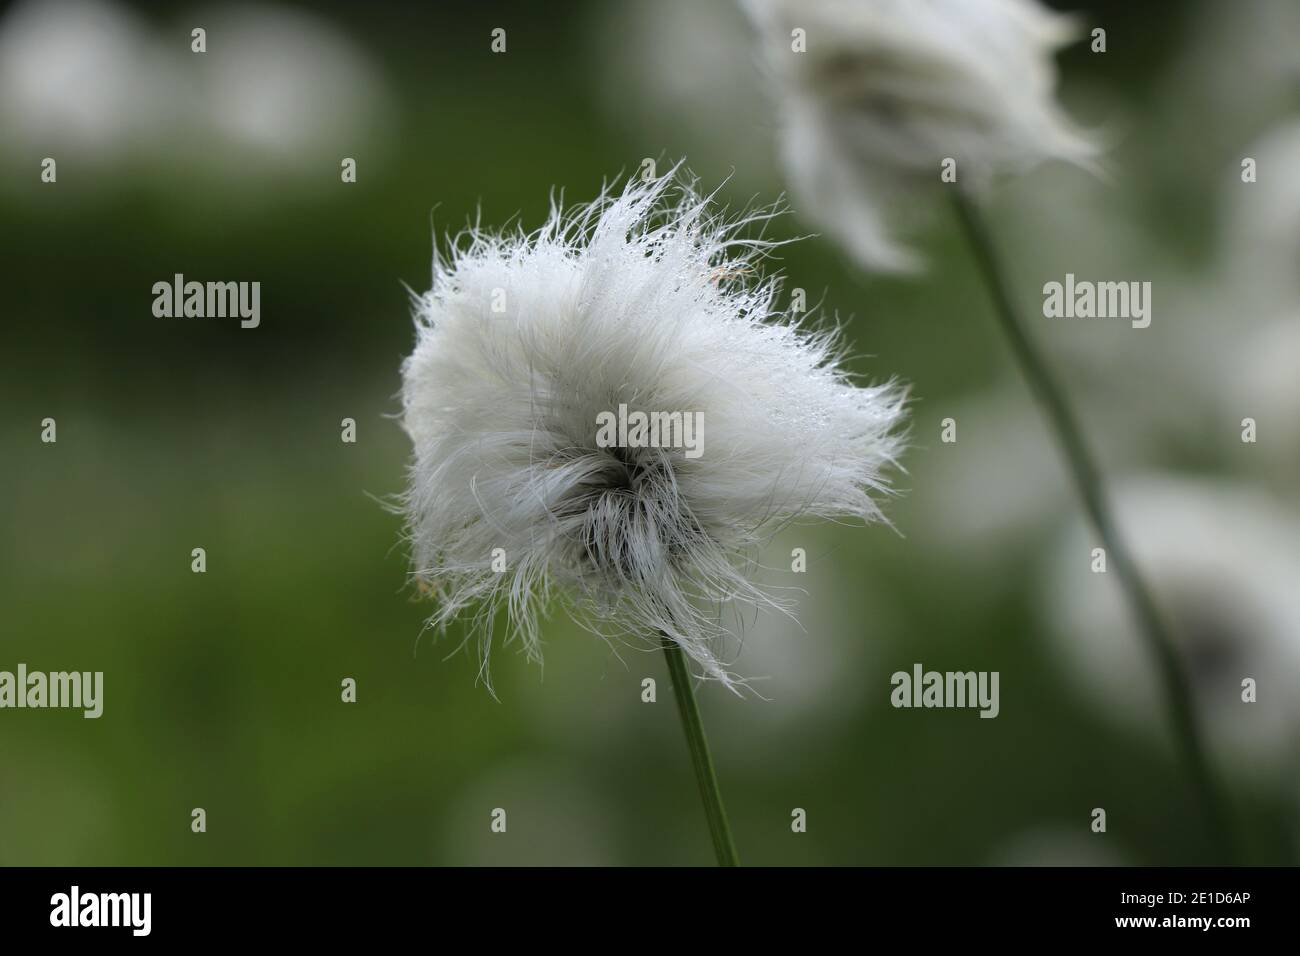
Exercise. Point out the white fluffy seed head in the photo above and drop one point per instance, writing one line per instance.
(881, 92)
(645, 299)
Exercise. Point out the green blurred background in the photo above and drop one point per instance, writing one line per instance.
(222, 690)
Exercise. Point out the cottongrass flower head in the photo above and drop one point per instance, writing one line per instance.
(645, 299)
(876, 94)
(1223, 564)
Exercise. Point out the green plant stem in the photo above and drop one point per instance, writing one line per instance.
(701, 760)
(1087, 479)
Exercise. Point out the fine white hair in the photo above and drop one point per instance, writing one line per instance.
(648, 299)
(876, 94)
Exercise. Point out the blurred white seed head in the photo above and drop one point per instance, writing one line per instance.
(1258, 380)
(1222, 562)
(95, 78)
(1261, 235)
(648, 299)
(881, 92)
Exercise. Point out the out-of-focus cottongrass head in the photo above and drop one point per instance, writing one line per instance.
(75, 74)
(1236, 70)
(286, 82)
(1259, 382)
(876, 94)
(93, 81)
(974, 504)
(1254, 372)
(1228, 353)
(651, 300)
(1261, 233)
(810, 669)
(1223, 562)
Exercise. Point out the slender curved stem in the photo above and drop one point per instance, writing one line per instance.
(701, 760)
(1087, 479)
